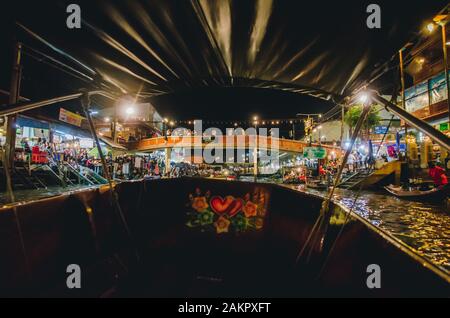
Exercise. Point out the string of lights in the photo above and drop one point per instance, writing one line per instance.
(264, 122)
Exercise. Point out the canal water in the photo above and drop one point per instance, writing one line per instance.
(27, 195)
(424, 227)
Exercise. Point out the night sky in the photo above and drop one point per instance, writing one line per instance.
(215, 59)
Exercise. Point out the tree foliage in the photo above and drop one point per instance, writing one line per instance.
(353, 114)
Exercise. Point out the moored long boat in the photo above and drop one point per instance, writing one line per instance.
(433, 195)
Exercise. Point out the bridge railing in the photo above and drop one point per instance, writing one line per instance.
(225, 142)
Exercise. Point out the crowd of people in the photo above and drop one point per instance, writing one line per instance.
(359, 161)
(121, 167)
(131, 167)
(321, 171)
(325, 170)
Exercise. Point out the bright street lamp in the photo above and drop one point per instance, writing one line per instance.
(129, 110)
(363, 98)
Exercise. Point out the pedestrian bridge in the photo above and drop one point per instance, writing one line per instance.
(225, 142)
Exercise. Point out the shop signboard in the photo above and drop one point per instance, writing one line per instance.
(40, 133)
(314, 153)
(380, 130)
(86, 143)
(69, 117)
(443, 126)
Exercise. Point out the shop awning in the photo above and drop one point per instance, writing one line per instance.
(66, 129)
(24, 121)
(94, 152)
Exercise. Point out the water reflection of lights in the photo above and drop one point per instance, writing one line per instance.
(422, 226)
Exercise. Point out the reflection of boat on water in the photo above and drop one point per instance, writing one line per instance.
(293, 181)
(433, 195)
(199, 237)
(316, 184)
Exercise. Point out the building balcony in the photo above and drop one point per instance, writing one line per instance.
(433, 111)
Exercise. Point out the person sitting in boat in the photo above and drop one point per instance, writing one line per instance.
(322, 171)
(437, 174)
(443, 179)
(302, 177)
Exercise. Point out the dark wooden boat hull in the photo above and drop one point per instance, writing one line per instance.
(177, 260)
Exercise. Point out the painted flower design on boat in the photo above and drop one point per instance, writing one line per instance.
(241, 223)
(207, 217)
(250, 209)
(222, 224)
(259, 222)
(200, 204)
(222, 214)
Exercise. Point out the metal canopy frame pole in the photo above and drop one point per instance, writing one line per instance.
(14, 94)
(21, 107)
(317, 228)
(9, 149)
(85, 103)
(415, 122)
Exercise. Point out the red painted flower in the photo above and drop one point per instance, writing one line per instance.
(250, 209)
(199, 204)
